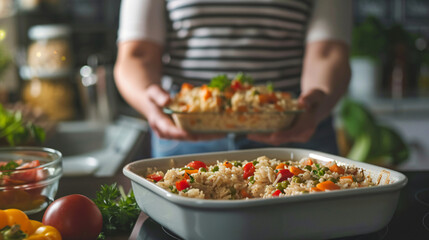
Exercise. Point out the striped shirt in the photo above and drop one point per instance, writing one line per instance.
(204, 38)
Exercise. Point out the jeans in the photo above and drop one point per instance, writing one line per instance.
(324, 140)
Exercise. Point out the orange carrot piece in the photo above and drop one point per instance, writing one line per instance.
(336, 168)
(295, 170)
(281, 166)
(308, 162)
(186, 86)
(227, 164)
(206, 93)
(191, 171)
(244, 193)
(348, 178)
(186, 176)
(315, 189)
(327, 185)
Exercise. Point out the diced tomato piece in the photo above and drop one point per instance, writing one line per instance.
(248, 170)
(27, 172)
(236, 85)
(181, 185)
(155, 177)
(277, 193)
(285, 174)
(197, 165)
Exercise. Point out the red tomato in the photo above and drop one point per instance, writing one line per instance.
(248, 170)
(277, 193)
(197, 165)
(285, 174)
(183, 184)
(26, 173)
(154, 177)
(236, 85)
(75, 217)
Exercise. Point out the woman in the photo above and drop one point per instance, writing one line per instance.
(299, 46)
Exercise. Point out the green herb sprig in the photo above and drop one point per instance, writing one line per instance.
(119, 210)
(14, 130)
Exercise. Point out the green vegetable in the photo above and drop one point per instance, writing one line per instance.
(237, 164)
(243, 78)
(203, 169)
(15, 131)
(334, 180)
(282, 185)
(371, 142)
(11, 165)
(215, 169)
(119, 210)
(12, 233)
(296, 179)
(252, 180)
(192, 178)
(173, 189)
(255, 162)
(220, 81)
(270, 86)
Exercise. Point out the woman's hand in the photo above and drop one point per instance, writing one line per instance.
(304, 125)
(155, 99)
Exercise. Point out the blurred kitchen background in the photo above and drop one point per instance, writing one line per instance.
(57, 58)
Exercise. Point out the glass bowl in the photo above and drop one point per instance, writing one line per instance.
(248, 122)
(32, 183)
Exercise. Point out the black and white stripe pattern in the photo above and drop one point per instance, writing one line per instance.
(264, 38)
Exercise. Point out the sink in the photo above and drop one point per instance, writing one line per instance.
(91, 148)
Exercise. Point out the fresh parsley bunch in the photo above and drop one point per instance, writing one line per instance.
(119, 210)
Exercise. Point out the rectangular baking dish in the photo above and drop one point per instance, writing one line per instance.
(247, 122)
(321, 215)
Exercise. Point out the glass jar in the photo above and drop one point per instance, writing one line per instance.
(55, 97)
(49, 52)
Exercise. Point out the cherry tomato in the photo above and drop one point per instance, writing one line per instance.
(248, 170)
(154, 177)
(75, 216)
(285, 174)
(197, 165)
(183, 184)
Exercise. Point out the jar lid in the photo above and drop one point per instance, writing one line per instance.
(40, 32)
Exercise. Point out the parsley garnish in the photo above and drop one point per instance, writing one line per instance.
(220, 81)
(8, 168)
(244, 78)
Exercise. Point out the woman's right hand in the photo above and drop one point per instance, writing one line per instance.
(155, 98)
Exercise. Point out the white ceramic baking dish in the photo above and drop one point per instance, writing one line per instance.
(321, 215)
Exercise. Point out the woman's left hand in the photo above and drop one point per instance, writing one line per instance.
(304, 125)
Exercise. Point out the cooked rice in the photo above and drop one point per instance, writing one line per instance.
(228, 183)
